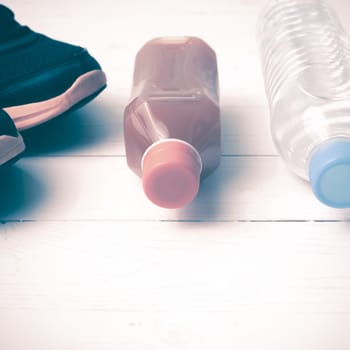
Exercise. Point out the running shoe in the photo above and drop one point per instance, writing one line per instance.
(41, 78)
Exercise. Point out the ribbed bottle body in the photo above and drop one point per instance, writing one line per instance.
(305, 57)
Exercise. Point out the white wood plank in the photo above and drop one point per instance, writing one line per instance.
(247, 329)
(103, 188)
(174, 285)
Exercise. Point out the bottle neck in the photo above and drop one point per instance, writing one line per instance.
(196, 156)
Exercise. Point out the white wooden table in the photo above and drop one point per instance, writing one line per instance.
(87, 262)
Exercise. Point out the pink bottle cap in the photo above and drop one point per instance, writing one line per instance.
(171, 173)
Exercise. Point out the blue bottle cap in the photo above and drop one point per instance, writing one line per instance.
(329, 173)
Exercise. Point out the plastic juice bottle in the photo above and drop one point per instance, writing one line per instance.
(172, 123)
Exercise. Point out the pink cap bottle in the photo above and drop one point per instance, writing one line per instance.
(172, 123)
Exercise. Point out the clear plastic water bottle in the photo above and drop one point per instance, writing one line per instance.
(305, 56)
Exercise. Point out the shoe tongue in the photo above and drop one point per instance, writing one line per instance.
(9, 28)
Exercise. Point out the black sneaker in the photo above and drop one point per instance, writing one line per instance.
(11, 142)
(41, 78)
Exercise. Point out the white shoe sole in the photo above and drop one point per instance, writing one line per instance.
(32, 114)
(10, 148)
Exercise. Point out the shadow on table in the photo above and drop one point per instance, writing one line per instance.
(212, 197)
(20, 191)
(210, 201)
(74, 131)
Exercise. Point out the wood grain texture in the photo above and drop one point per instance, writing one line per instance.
(87, 262)
(174, 285)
